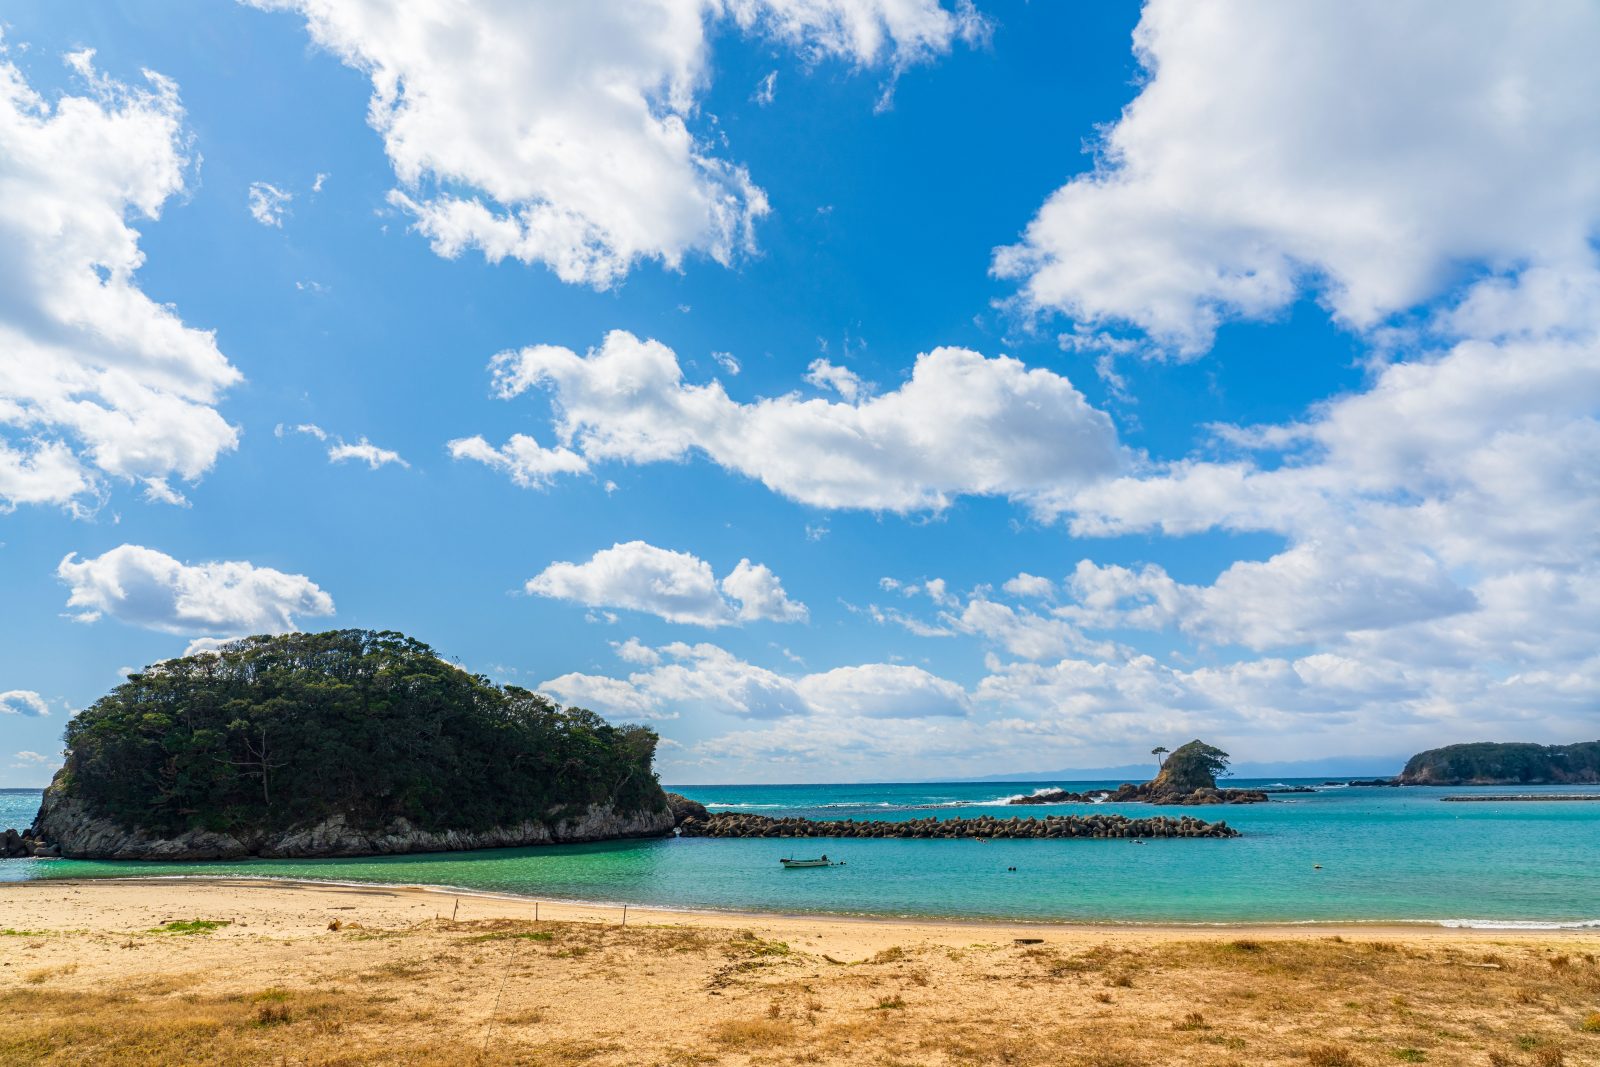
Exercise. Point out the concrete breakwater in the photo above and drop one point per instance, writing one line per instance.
(736, 824)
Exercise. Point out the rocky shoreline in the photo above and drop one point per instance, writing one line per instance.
(1144, 794)
(1187, 778)
(66, 828)
(18, 845)
(737, 824)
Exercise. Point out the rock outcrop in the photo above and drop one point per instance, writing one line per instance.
(24, 844)
(77, 833)
(736, 824)
(684, 808)
(1148, 793)
(1188, 778)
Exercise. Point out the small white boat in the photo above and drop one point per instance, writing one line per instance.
(821, 861)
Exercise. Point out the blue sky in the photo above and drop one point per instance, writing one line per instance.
(859, 389)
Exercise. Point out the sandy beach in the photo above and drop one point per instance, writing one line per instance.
(244, 972)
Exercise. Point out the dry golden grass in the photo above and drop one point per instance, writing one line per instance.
(511, 991)
(42, 975)
(754, 1033)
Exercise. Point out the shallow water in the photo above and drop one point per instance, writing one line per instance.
(1386, 855)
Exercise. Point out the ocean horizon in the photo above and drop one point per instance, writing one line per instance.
(1338, 855)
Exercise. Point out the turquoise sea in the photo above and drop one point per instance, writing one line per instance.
(1386, 855)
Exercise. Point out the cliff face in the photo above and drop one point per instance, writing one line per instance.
(78, 833)
(1488, 763)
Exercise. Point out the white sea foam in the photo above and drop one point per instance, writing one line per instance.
(859, 804)
(1014, 797)
(1518, 924)
(1097, 797)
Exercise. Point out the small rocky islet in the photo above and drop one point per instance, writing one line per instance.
(1188, 777)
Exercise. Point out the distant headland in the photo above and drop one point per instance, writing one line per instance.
(1510, 763)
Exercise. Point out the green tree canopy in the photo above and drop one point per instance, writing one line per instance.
(1505, 763)
(281, 731)
(1196, 765)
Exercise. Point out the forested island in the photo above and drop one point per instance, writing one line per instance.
(1513, 763)
(350, 742)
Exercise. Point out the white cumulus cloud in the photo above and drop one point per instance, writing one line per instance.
(883, 691)
(144, 587)
(686, 679)
(963, 424)
(529, 464)
(97, 381)
(23, 702)
(365, 451)
(842, 380)
(560, 133)
(339, 451)
(268, 203)
(1364, 149)
(677, 586)
(1030, 585)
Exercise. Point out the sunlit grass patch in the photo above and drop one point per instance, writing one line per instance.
(273, 1015)
(749, 944)
(44, 1026)
(554, 1052)
(526, 935)
(395, 970)
(1329, 1056)
(44, 974)
(754, 1033)
(191, 926)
